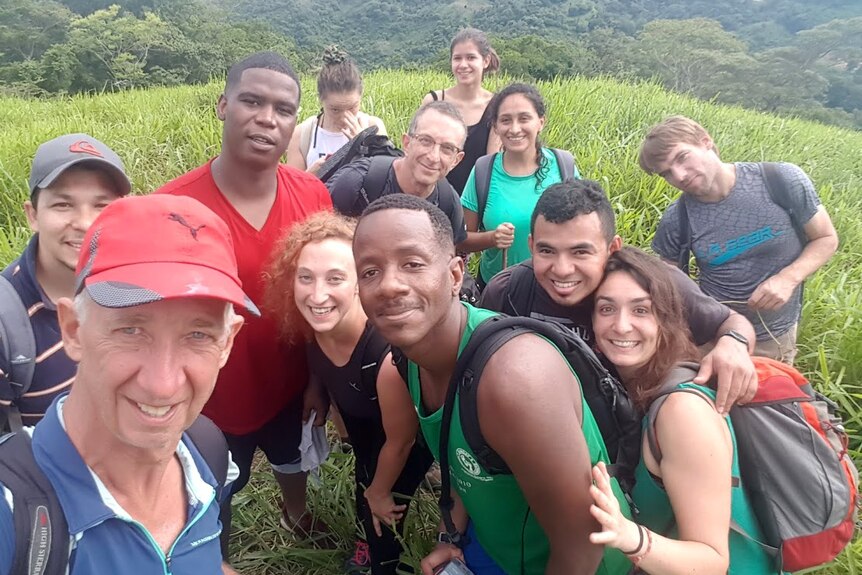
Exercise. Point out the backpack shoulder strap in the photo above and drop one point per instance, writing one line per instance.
(681, 373)
(375, 179)
(212, 445)
(684, 260)
(19, 345)
(521, 290)
(375, 351)
(41, 531)
(776, 186)
(399, 360)
(565, 163)
(306, 129)
(482, 180)
(433, 95)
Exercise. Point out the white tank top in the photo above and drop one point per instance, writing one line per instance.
(323, 142)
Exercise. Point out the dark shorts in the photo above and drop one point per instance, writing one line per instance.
(278, 438)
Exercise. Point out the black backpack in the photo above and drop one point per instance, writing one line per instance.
(613, 410)
(777, 189)
(19, 347)
(365, 144)
(484, 165)
(37, 513)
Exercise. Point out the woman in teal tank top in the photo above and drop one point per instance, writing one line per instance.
(688, 500)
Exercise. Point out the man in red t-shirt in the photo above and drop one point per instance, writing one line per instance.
(258, 399)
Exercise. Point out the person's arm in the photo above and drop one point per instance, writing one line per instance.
(730, 363)
(536, 429)
(822, 243)
(315, 398)
(501, 237)
(696, 473)
(295, 157)
(227, 569)
(401, 425)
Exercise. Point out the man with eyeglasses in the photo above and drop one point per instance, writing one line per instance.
(432, 147)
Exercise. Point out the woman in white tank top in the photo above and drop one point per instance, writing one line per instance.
(339, 89)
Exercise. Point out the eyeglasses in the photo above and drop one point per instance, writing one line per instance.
(426, 143)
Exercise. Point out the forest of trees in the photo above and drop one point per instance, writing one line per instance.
(786, 56)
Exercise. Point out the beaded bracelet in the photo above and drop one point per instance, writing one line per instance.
(640, 543)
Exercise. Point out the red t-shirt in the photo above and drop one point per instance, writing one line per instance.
(262, 374)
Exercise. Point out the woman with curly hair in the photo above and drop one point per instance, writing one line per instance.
(518, 177)
(312, 289)
(339, 90)
(688, 496)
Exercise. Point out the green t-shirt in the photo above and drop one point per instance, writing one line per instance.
(746, 557)
(504, 523)
(510, 199)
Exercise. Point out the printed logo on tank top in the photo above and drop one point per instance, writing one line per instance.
(470, 466)
(719, 254)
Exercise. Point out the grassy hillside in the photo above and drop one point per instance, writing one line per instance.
(162, 133)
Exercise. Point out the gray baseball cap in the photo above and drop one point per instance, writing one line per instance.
(58, 155)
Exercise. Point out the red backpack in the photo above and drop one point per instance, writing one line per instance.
(793, 462)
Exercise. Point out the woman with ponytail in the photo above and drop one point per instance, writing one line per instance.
(339, 90)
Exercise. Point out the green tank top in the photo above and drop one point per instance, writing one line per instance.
(504, 524)
(746, 557)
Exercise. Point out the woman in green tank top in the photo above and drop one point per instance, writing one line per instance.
(686, 501)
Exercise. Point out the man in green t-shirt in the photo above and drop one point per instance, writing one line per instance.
(537, 519)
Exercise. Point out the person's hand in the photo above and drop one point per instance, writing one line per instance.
(441, 554)
(504, 236)
(315, 167)
(772, 294)
(737, 378)
(315, 398)
(383, 508)
(617, 531)
(353, 124)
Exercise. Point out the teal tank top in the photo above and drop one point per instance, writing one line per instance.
(746, 557)
(504, 524)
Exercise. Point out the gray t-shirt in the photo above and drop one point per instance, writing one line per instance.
(742, 240)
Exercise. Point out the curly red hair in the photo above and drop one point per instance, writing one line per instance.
(281, 272)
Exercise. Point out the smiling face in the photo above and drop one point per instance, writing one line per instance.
(625, 327)
(145, 372)
(63, 214)
(518, 124)
(468, 64)
(569, 258)
(434, 148)
(408, 284)
(325, 287)
(259, 115)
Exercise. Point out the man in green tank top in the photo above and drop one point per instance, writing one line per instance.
(531, 412)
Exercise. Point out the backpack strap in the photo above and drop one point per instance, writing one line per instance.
(521, 291)
(681, 373)
(776, 186)
(212, 445)
(374, 180)
(433, 95)
(19, 346)
(306, 129)
(684, 259)
(565, 163)
(41, 531)
(482, 180)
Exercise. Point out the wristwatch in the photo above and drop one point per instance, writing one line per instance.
(443, 537)
(737, 336)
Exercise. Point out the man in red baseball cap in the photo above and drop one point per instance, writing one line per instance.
(73, 177)
(151, 324)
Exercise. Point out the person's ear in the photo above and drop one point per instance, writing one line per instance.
(30, 211)
(70, 328)
(456, 269)
(530, 243)
(220, 107)
(615, 245)
(236, 324)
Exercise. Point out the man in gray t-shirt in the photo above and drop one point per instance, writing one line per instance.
(747, 251)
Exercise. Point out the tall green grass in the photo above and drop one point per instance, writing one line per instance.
(165, 132)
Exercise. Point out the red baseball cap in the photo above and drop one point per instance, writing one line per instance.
(143, 249)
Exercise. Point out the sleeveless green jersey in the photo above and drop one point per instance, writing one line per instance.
(503, 521)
